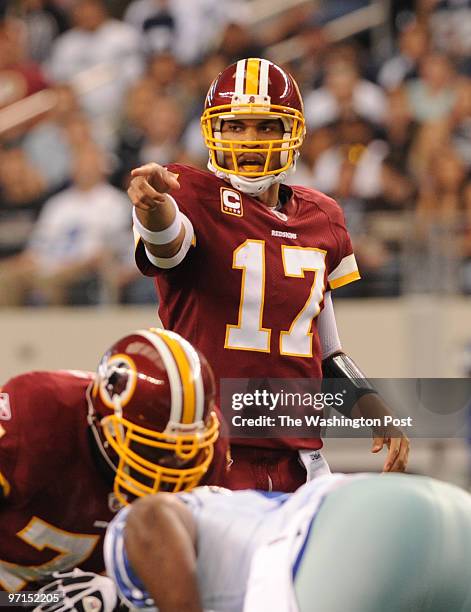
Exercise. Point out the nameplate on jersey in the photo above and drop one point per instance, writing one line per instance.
(5, 410)
(231, 202)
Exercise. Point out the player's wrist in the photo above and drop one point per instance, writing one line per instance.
(170, 260)
(163, 236)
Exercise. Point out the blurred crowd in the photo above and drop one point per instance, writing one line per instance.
(89, 90)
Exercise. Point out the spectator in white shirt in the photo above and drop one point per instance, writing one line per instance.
(433, 95)
(413, 46)
(187, 28)
(78, 232)
(106, 53)
(343, 93)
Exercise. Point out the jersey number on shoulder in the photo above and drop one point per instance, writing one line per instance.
(249, 333)
(73, 549)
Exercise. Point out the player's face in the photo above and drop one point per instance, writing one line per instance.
(162, 457)
(249, 130)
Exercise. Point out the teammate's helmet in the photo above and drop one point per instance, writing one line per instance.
(253, 88)
(150, 410)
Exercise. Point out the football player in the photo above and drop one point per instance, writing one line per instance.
(75, 447)
(336, 544)
(245, 264)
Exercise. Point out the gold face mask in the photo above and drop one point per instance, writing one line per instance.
(283, 148)
(142, 455)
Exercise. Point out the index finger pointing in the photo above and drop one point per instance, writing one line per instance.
(145, 170)
(159, 177)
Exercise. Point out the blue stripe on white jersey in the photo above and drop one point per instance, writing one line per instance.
(118, 567)
(237, 532)
(300, 554)
(276, 495)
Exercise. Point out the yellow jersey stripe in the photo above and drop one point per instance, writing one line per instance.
(344, 280)
(251, 76)
(187, 378)
(4, 486)
(346, 266)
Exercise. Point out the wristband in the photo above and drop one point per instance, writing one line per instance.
(170, 262)
(161, 237)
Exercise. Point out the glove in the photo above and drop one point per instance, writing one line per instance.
(80, 592)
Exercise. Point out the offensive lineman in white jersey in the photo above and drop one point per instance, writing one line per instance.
(362, 543)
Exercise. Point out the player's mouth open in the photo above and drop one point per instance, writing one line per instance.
(251, 161)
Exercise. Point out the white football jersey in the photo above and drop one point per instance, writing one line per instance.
(232, 526)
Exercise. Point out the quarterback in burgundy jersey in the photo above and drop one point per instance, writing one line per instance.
(245, 264)
(75, 447)
(255, 279)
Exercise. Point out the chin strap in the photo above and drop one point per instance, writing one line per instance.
(251, 186)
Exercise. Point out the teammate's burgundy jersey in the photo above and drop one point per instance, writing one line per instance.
(250, 288)
(54, 502)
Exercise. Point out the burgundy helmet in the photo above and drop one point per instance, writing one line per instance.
(253, 88)
(151, 412)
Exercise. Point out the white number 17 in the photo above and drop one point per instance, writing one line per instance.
(249, 333)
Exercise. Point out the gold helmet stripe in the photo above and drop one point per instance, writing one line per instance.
(195, 361)
(186, 376)
(252, 76)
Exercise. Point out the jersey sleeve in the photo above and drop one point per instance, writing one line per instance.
(343, 268)
(187, 198)
(8, 440)
(36, 414)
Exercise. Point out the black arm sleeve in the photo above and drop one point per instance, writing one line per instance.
(339, 370)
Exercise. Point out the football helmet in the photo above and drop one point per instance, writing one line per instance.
(257, 89)
(150, 408)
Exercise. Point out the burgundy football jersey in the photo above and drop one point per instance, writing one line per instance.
(54, 502)
(249, 290)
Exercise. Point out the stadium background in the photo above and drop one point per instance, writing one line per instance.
(388, 106)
